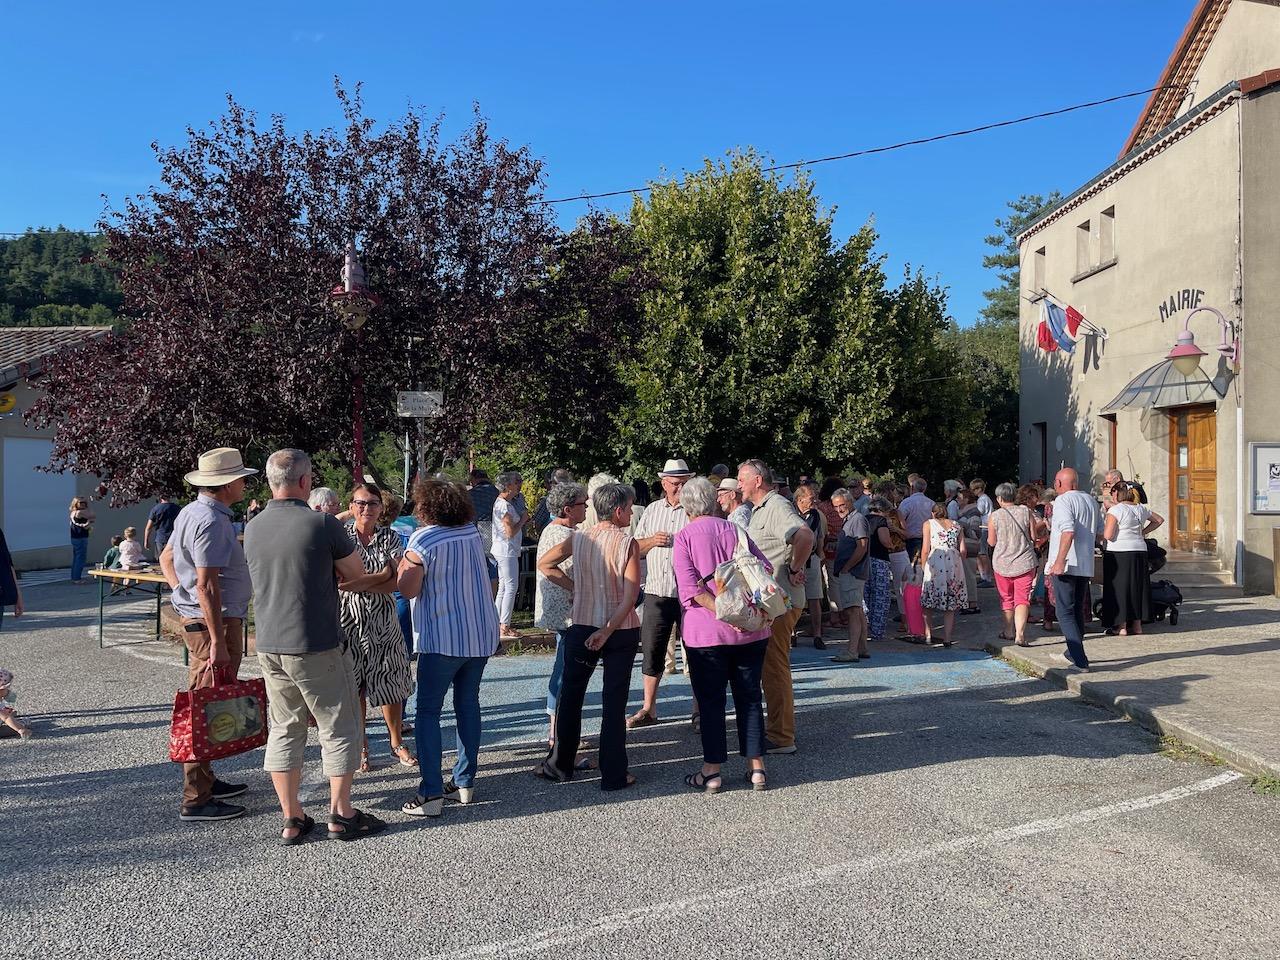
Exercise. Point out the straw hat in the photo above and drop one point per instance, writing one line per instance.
(675, 468)
(217, 467)
(729, 483)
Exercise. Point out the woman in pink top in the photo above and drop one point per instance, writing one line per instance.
(718, 653)
(605, 585)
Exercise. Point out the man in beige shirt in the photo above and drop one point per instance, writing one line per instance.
(655, 533)
(786, 540)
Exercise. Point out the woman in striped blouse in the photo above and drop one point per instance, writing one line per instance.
(455, 626)
(605, 584)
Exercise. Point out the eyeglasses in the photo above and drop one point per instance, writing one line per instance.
(367, 504)
(580, 503)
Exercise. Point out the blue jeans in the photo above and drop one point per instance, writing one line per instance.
(1071, 595)
(436, 673)
(79, 556)
(405, 618)
(557, 676)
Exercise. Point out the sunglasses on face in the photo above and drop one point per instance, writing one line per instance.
(367, 504)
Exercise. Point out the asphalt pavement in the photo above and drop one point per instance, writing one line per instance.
(941, 805)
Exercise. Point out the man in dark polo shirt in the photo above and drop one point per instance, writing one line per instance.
(296, 557)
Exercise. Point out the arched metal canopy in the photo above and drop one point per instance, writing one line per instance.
(1163, 386)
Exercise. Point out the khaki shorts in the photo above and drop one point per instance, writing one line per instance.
(849, 591)
(320, 685)
(813, 578)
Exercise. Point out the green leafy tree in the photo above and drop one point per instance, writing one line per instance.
(763, 337)
(989, 349)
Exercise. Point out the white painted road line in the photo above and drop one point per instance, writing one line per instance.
(662, 912)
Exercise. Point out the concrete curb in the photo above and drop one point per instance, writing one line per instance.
(1129, 707)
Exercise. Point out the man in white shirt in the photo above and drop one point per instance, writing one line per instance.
(1071, 540)
(735, 509)
(655, 534)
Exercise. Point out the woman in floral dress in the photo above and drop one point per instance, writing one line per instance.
(943, 560)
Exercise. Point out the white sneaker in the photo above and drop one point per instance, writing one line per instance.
(1066, 661)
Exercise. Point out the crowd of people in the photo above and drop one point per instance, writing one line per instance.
(347, 599)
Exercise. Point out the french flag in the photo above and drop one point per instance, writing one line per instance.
(1059, 326)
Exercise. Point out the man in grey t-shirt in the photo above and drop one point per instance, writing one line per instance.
(204, 566)
(296, 556)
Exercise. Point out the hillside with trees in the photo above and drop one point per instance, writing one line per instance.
(52, 278)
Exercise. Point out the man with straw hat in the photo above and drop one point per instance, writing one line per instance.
(655, 533)
(205, 567)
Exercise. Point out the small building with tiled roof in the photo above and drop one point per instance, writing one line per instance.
(1150, 317)
(34, 504)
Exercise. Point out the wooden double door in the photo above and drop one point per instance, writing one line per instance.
(1193, 478)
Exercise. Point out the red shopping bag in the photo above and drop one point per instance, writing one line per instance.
(210, 723)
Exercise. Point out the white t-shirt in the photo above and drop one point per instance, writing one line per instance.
(1078, 513)
(1130, 519)
(504, 546)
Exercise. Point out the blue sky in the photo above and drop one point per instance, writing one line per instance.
(610, 95)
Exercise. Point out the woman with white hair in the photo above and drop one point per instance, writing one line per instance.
(595, 483)
(508, 539)
(553, 605)
(719, 654)
(605, 585)
(323, 500)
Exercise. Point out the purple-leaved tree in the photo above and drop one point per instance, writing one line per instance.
(226, 267)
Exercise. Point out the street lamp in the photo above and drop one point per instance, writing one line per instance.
(354, 300)
(1186, 355)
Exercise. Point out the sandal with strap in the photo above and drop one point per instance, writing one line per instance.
(303, 825)
(406, 758)
(704, 784)
(359, 824)
(753, 783)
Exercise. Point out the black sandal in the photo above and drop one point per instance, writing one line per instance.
(701, 782)
(359, 824)
(303, 825)
(753, 783)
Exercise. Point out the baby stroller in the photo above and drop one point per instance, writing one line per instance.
(1165, 599)
(1165, 595)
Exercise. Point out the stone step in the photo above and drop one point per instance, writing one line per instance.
(1219, 591)
(1185, 579)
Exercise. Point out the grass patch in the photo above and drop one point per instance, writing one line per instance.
(1020, 666)
(1180, 750)
(1266, 786)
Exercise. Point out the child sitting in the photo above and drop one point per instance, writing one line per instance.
(131, 555)
(111, 559)
(9, 716)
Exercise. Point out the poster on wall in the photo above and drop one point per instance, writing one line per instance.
(1265, 489)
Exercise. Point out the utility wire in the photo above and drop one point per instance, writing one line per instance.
(905, 143)
(846, 156)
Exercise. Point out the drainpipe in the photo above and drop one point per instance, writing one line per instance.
(1237, 297)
